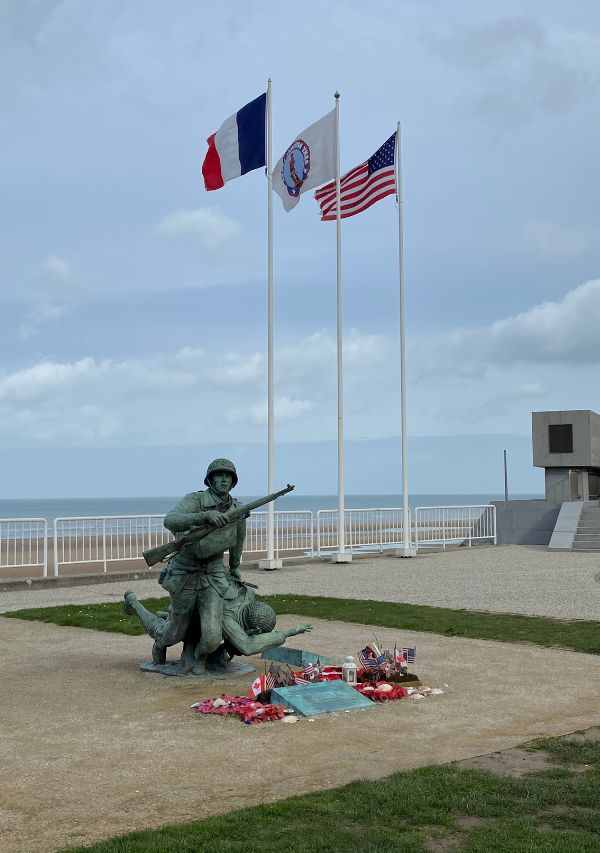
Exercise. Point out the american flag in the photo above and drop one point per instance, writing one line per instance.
(362, 186)
(269, 680)
(310, 669)
(369, 660)
(410, 654)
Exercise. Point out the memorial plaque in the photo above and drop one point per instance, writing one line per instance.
(294, 657)
(325, 697)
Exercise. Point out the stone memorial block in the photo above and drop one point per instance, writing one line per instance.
(294, 657)
(309, 700)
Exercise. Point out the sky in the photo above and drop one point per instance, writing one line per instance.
(133, 309)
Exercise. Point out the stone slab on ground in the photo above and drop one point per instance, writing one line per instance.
(294, 657)
(92, 747)
(326, 697)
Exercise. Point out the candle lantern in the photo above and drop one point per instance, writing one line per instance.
(350, 670)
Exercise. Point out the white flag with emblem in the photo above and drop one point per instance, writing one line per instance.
(308, 162)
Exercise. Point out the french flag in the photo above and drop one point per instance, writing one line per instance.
(238, 146)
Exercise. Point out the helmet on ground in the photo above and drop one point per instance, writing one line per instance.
(258, 617)
(221, 465)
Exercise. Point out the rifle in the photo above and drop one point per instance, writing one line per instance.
(162, 552)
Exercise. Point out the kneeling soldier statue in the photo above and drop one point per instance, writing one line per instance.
(206, 524)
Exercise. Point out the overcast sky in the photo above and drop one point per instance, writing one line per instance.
(134, 302)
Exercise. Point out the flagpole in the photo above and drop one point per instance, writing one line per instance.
(342, 556)
(271, 562)
(407, 550)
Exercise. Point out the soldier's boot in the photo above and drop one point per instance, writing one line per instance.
(199, 667)
(150, 621)
(219, 659)
(159, 654)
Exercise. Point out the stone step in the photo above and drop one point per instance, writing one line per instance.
(579, 546)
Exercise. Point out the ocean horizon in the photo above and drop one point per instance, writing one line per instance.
(52, 508)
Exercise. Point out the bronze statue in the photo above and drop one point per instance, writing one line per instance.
(206, 525)
(248, 628)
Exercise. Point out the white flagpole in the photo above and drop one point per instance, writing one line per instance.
(407, 550)
(270, 563)
(342, 556)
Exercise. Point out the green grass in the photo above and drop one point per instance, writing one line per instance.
(578, 635)
(406, 812)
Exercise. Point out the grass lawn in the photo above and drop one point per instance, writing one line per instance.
(438, 808)
(578, 635)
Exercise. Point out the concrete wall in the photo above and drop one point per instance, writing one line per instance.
(557, 484)
(526, 522)
(586, 439)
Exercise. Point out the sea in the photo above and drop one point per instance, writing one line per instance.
(51, 508)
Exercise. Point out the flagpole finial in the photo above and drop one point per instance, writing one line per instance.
(336, 95)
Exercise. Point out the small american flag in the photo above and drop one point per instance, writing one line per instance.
(369, 660)
(269, 680)
(362, 186)
(410, 654)
(310, 670)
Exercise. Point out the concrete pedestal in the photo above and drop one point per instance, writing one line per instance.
(342, 557)
(270, 565)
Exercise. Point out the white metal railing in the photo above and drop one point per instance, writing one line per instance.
(294, 531)
(24, 544)
(443, 525)
(370, 528)
(112, 539)
(106, 539)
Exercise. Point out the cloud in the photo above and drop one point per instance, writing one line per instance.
(483, 46)
(51, 294)
(213, 229)
(563, 332)
(550, 240)
(285, 408)
(518, 69)
(185, 396)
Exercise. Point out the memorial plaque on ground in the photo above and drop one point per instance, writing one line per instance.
(285, 654)
(309, 700)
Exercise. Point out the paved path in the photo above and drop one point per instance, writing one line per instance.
(504, 579)
(92, 747)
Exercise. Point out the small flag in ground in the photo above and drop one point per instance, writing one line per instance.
(257, 686)
(398, 656)
(410, 654)
(310, 670)
(368, 658)
(269, 680)
(362, 186)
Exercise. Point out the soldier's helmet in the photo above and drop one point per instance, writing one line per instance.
(221, 465)
(258, 617)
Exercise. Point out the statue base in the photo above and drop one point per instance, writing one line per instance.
(234, 669)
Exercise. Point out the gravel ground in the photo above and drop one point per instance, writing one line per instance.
(92, 747)
(502, 579)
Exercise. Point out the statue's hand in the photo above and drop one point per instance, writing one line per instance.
(234, 571)
(216, 518)
(298, 629)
